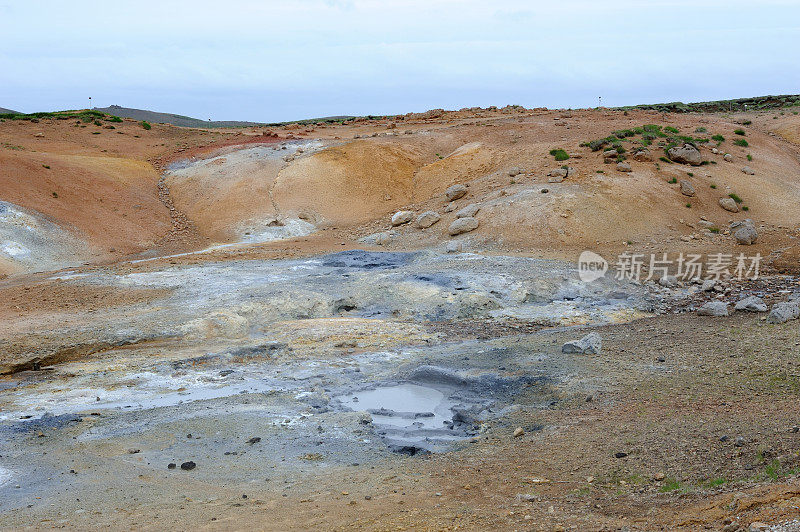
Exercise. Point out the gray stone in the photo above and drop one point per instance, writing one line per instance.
(728, 157)
(383, 239)
(713, 308)
(624, 167)
(402, 217)
(746, 235)
(455, 192)
(515, 171)
(557, 175)
(469, 211)
(749, 171)
(668, 281)
(686, 154)
(642, 155)
(686, 188)
(427, 219)
(708, 285)
(588, 345)
(751, 304)
(454, 246)
(728, 204)
(783, 312)
(463, 225)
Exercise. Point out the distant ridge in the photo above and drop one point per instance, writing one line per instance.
(169, 118)
(3, 111)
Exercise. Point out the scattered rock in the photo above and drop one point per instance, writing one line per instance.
(469, 211)
(427, 219)
(557, 175)
(659, 476)
(783, 312)
(188, 466)
(383, 239)
(624, 167)
(708, 285)
(171, 466)
(455, 192)
(254, 439)
(728, 157)
(588, 345)
(642, 155)
(454, 246)
(749, 171)
(515, 171)
(739, 442)
(519, 431)
(686, 188)
(713, 308)
(686, 154)
(463, 225)
(668, 281)
(728, 204)
(402, 217)
(744, 232)
(751, 304)
(620, 454)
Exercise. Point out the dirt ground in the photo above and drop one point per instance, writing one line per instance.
(682, 422)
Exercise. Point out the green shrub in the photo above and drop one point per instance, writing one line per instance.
(749, 157)
(745, 208)
(145, 125)
(718, 138)
(739, 131)
(664, 159)
(115, 119)
(671, 129)
(748, 122)
(673, 180)
(559, 154)
(741, 142)
(713, 185)
(735, 197)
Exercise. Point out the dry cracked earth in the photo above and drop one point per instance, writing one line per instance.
(233, 329)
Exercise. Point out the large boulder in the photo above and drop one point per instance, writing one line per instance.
(686, 188)
(728, 204)
(751, 304)
(686, 154)
(588, 345)
(427, 219)
(624, 167)
(402, 217)
(783, 312)
(463, 225)
(455, 192)
(744, 232)
(469, 211)
(713, 308)
(642, 155)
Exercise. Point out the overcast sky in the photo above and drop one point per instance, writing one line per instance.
(291, 59)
